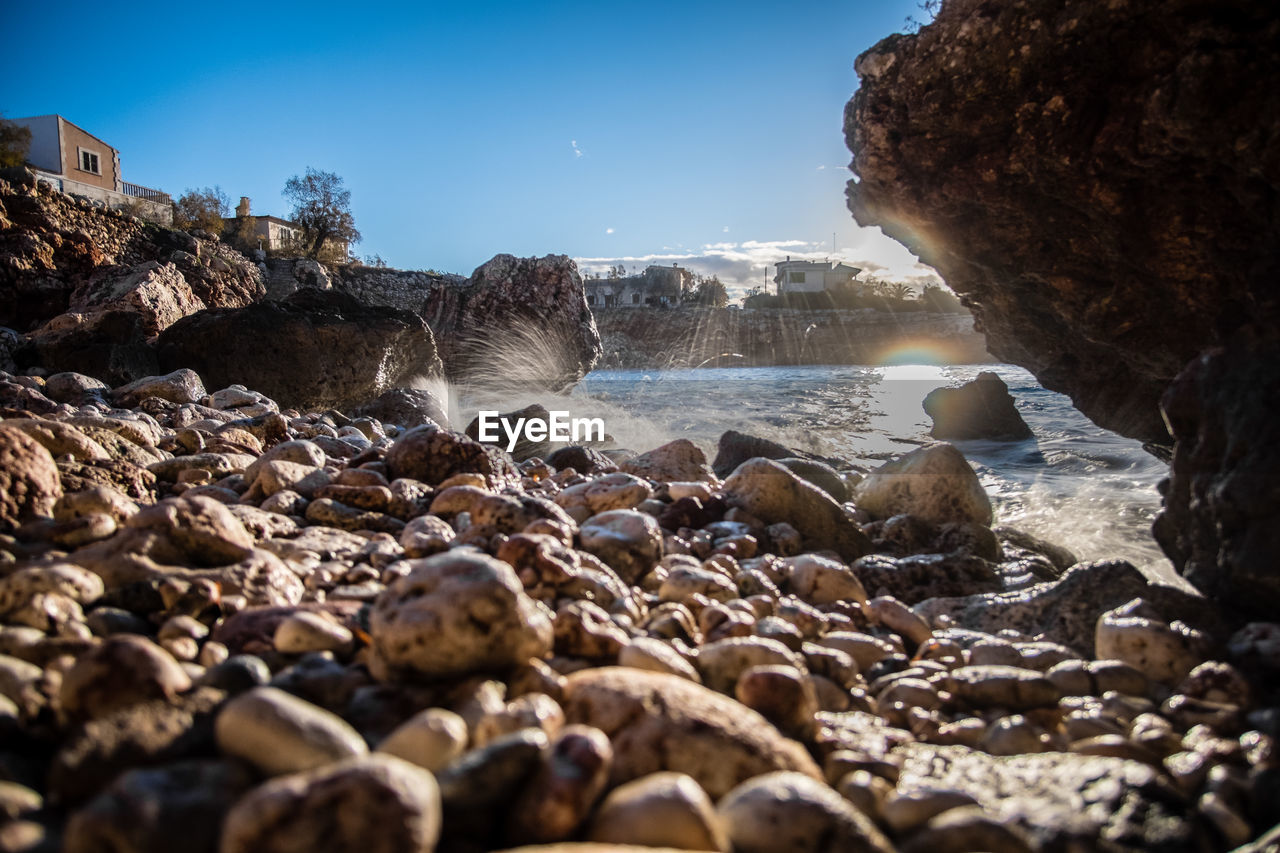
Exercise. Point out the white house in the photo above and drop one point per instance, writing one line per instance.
(813, 276)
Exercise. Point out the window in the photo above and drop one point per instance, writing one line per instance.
(796, 277)
(89, 162)
(635, 299)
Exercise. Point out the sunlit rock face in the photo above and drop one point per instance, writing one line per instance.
(1098, 180)
(518, 322)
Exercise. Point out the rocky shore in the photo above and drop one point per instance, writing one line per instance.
(229, 626)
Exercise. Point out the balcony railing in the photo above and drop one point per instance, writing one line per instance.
(144, 192)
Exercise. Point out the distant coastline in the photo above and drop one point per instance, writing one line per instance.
(660, 338)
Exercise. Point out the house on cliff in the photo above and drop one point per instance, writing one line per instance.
(813, 276)
(271, 233)
(657, 285)
(74, 161)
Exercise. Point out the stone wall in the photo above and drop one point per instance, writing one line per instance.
(688, 337)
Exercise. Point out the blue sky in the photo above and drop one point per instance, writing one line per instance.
(705, 133)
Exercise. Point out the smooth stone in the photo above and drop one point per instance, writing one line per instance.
(663, 722)
(722, 662)
(306, 631)
(791, 811)
(934, 483)
(562, 791)
(1008, 687)
(652, 654)
(772, 493)
(29, 481)
(370, 804)
(662, 809)
(432, 739)
(967, 828)
(820, 580)
(181, 386)
(680, 460)
(617, 490)
(1161, 651)
(279, 733)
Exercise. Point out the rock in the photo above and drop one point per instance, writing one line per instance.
(431, 739)
(140, 735)
(1093, 259)
(584, 460)
(179, 806)
(29, 482)
(1220, 525)
(1135, 634)
(523, 448)
(1065, 611)
(405, 407)
(923, 576)
(1010, 687)
(967, 828)
(372, 804)
(819, 580)
(734, 448)
(314, 350)
(656, 656)
(157, 292)
(80, 585)
(934, 483)
(545, 335)
(179, 386)
(562, 791)
(433, 455)
(618, 490)
(791, 811)
(123, 670)
(662, 809)
(279, 733)
(663, 722)
(676, 461)
(1059, 800)
(74, 388)
(772, 493)
(455, 613)
(628, 541)
(109, 345)
(304, 632)
(981, 409)
(819, 474)
(722, 662)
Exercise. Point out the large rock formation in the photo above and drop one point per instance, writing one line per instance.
(516, 322)
(1221, 521)
(314, 350)
(1098, 180)
(59, 254)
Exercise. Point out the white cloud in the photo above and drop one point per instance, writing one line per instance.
(749, 264)
(608, 230)
(577, 152)
(820, 168)
(726, 229)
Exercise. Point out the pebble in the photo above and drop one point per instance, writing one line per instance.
(431, 739)
(628, 541)
(122, 670)
(455, 613)
(279, 733)
(1161, 651)
(662, 809)
(791, 811)
(373, 803)
(304, 631)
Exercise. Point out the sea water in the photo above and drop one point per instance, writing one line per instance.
(1074, 483)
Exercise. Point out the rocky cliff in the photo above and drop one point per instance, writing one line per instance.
(1098, 180)
(1101, 183)
(688, 337)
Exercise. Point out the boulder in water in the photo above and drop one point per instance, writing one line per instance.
(982, 408)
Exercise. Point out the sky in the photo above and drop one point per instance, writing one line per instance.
(702, 133)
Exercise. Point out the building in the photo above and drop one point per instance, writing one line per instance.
(813, 276)
(273, 234)
(76, 162)
(655, 286)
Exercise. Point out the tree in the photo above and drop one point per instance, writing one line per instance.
(898, 290)
(14, 142)
(711, 292)
(322, 207)
(201, 209)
